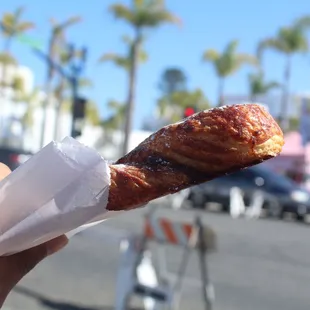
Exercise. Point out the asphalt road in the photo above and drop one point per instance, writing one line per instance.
(262, 264)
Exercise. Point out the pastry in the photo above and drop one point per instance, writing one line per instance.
(204, 146)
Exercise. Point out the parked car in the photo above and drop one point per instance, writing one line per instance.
(281, 194)
(13, 157)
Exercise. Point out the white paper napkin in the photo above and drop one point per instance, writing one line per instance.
(62, 189)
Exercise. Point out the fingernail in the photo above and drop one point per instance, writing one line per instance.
(56, 245)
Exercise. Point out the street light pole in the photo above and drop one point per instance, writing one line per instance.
(73, 76)
(76, 71)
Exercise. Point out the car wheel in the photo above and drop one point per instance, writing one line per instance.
(301, 213)
(274, 209)
(198, 201)
(300, 218)
(226, 207)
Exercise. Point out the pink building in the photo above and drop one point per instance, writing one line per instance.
(294, 158)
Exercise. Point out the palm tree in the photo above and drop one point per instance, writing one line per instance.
(56, 39)
(140, 15)
(115, 121)
(288, 41)
(124, 61)
(227, 63)
(32, 100)
(258, 86)
(12, 25)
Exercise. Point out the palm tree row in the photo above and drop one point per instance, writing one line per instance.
(287, 41)
(144, 15)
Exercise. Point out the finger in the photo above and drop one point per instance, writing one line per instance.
(4, 171)
(18, 265)
(25, 261)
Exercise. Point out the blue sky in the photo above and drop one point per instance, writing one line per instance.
(206, 24)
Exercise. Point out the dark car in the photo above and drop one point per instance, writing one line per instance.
(13, 157)
(280, 193)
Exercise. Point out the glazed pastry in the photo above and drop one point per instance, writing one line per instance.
(204, 146)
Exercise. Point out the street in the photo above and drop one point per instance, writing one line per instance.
(263, 264)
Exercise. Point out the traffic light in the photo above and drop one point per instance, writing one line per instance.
(188, 111)
(79, 108)
(78, 114)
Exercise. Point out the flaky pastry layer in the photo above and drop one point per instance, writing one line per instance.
(204, 146)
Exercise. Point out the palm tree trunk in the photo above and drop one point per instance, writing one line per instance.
(44, 110)
(4, 84)
(220, 92)
(130, 104)
(252, 97)
(57, 123)
(284, 121)
(58, 110)
(6, 50)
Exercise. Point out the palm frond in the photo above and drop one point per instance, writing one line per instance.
(70, 22)
(272, 85)
(143, 56)
(122, 12)
(92, 113)
(138, 4)
(86, 83)
(116, 59)
(241, 59)
(231, 47)
(24, 26)
(12, 23)
(7, 59)
(272, 43)
(211, 55)
(19, 12)
(302, 23)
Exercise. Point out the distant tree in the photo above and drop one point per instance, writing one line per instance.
(140, 15)
(227, 63)
(116, 120)
(287, 41)
(7, 59)
(258, 86)
(124, 61)
(171, 107)
(12, 25)
(172, 80)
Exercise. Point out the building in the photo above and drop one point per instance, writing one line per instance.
(272, 101)
(13, 130)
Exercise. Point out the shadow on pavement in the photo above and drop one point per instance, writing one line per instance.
(53, 304)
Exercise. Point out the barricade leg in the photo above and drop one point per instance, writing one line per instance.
(237, 207)
(207, 287)
(126, 272)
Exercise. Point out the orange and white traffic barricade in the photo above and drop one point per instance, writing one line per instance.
(164, 288)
